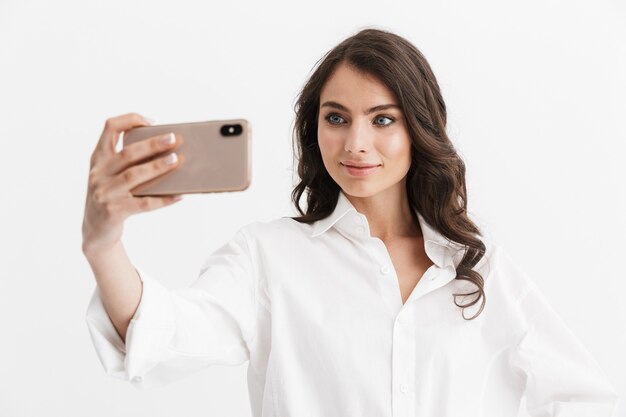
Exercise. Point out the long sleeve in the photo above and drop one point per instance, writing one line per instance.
(175, 333)
(562, 379)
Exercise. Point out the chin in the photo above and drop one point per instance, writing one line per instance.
(359, 190)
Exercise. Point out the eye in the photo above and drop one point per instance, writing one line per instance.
(383, 118)
(334, 119)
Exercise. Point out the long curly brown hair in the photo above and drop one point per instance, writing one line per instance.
(436, 179)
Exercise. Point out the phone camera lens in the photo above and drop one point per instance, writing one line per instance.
(231, 130)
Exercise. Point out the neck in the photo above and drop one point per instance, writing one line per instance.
(388, 214)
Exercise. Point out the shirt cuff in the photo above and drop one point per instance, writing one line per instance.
(147, 337)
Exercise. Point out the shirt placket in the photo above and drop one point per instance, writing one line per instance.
(402, 355)
(402, 361)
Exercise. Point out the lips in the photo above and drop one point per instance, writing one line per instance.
(361, 171)
(354, 164)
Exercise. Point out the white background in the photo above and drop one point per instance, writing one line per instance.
(535, 94)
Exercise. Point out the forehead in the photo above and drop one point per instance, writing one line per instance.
(347, 85)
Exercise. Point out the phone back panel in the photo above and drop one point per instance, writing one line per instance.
(209, 161)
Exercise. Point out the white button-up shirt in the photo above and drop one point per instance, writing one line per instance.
(317, 311)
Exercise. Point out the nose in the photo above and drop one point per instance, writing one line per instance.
(358, 138)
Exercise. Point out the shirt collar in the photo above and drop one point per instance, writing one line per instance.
(440, 249)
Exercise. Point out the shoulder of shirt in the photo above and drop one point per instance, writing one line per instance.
(499, 269)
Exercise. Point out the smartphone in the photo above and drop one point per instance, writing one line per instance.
(214, 156)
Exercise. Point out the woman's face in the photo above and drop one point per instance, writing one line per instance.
(360, 123)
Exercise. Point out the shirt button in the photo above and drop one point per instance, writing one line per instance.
(357, 219)
(360, 229)
(404, 388)
(400, 320)
(385, 269)
(137, 379)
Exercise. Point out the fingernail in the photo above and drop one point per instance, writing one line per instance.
(168, 139)
(171, 158)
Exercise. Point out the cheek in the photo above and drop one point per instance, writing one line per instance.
(397, 146)
(328, 140)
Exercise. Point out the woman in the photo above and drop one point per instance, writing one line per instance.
(351, 308)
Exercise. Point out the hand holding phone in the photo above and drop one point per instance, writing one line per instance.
(113, 174)
(215, 157)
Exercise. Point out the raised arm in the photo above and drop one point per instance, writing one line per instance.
(109, 202)
(119, 285)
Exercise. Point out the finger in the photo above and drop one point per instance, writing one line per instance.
(135, 152)
(128, 179)
(141, 204)
(113, 127)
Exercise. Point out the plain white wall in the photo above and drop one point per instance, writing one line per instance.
(535, 93)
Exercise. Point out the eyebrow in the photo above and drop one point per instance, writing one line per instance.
(335, 105)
